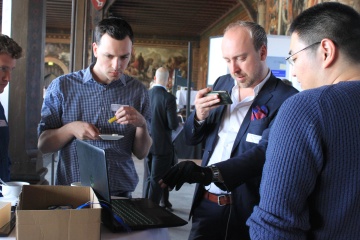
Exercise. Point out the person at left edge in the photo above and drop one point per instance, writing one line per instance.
(10, 51)
(77, 106)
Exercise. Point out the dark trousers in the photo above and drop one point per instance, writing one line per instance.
(145, 178)
(211, 222)
(158, 166)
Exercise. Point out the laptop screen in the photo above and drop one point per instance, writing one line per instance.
(93, 168)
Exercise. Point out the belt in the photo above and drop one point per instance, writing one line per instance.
(221, 200)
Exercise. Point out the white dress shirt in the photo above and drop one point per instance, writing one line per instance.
(229, 128)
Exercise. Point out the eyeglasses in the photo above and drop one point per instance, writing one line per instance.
(5, 69)
(291, 61)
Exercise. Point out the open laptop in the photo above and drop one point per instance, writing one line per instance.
(119, 214)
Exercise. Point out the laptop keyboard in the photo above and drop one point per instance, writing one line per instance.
(130, 215)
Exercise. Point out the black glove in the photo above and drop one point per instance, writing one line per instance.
(187, 171)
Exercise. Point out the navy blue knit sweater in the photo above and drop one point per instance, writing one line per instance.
(311, 179)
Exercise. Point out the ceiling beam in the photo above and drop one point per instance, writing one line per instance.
(247, 5)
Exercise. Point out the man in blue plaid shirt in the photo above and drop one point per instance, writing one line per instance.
(78, 106)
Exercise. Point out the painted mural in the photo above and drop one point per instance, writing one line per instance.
(280, 13)
(145, 61)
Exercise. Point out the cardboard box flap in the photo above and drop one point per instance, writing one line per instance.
(5, 213)
(83, 216)
(41, 197)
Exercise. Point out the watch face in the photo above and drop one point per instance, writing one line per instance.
(216, 174)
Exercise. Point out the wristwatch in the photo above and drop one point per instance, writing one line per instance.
(216, 175)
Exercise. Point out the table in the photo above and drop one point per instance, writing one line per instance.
(149, 234)
(106, 234)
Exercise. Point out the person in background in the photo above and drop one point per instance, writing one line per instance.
(163, 121)
(165, 202)
(228, 190)
(78, 106)
(311, 180)
(10, 51)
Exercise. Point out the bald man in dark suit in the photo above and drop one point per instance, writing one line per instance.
(163, 121)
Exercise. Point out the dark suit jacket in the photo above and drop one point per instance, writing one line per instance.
(163, 120)
(242, 173)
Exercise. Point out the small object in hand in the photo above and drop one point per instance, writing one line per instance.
(113, 119)
(224, 96)
(60, 207)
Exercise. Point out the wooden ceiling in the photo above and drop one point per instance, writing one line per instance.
(174, 18)
(58, 15)
(179, 19)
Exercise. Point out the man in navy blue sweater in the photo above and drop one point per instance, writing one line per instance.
(311, 179)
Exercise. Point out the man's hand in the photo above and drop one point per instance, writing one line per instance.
(186, 171)
(129, 115)
(53, 140)
(84, 131)
(203, 104)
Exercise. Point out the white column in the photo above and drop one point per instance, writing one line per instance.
(6, 29)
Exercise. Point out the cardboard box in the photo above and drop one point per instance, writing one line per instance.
(35, 221)
(5, 213)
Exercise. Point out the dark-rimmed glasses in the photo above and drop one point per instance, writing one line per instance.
(291, 61)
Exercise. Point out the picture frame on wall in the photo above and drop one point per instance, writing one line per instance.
(146, 59)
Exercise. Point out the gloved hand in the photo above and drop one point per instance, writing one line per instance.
(186, 171)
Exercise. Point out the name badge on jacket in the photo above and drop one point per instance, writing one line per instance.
(3, 123)
(253, 138)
